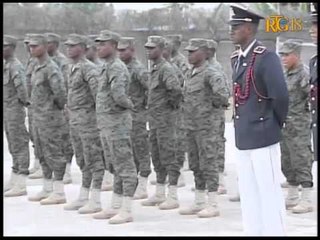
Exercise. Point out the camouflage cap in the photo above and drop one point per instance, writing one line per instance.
(53, 37)
(107, 35)
(90, 40)
(9, 40)
(291, 45)
(37, 39)
(125, 42)
(168, 44)
(212, 44)
(174, 37)
(74, 39)
(196, 43)
(154, 41)
(26, 38)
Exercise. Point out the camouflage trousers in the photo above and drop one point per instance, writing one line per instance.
(221, 144)
(315, 142)
(18, 140)
(30, 129)
(67, 148)
(48, 142)
(89, 155)
(125, 173)
(203, 158)
(162, 142)
(140, 148)
(180, 145)
(106, 154)
(295, 153)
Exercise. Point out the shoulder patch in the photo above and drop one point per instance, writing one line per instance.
(259, 49)
(235, 54)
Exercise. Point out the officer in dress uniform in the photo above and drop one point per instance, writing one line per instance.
(314, 82)
(260, 109)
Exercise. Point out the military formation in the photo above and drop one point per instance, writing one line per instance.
(101, 105)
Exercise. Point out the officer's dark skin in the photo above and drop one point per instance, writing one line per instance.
(243, 34)
(198, 57)
(154, 53)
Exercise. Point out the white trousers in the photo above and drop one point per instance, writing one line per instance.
(262, 199)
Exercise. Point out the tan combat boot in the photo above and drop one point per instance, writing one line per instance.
(116, 203)
(305, 204)
(222, 184)
(94, 204)
(11, 182)
(80, 202)
(172, 199)
(211, 209)
(19, 188)
(198, 204)
(67, 175)
(36, 166)
(292, 198)
(157, 198)
(44, 193)
(107, 182)
(141, 191)
(57, 196)
(124, 214)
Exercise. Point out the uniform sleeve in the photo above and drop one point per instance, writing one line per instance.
(304, 83)
(119, 84)
(19, 80)
(91, 76)
(143, 77)
(270, 71)
(172, 84)
(65, 73)
(217, 83)
(30, 66)
(57, 86)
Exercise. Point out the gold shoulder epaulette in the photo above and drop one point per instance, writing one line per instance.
(259, 49)
(235, 54)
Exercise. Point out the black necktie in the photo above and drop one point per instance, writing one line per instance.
(239, 62)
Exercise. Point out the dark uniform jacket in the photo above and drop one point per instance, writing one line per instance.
(261, 105)
(314, 88)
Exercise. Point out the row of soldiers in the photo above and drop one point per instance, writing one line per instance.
(96, 106)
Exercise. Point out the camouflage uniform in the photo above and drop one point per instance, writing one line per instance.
(82, 90)
(48, 97)
(138, 94)
(164, 98)
(204, 95)
(221, 148)
(295, 146)
(14, 99)
(115, 120)
(62, 62)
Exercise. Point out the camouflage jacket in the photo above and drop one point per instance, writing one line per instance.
(32, 62)
(298, 88)
(216, 64)
(48, 94)
(82, 91)
(181, 62)
(14, 85)
(205, 93)
(62, 61)
(113, 103)
(164, 95)
(138, 88)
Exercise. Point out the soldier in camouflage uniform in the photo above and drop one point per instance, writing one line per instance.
(212, 47)
(164, 98)
(62, 62)
(295, 146)
(205, 95)
(178, 59)
(92, 55)
(82, 88)
(113, 107)
(48, 97)
(15, 99)
(35, 171)
(138, 92)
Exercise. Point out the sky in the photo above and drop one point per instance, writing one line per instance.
(147, 6)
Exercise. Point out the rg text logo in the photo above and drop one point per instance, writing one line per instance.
(278, 23)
